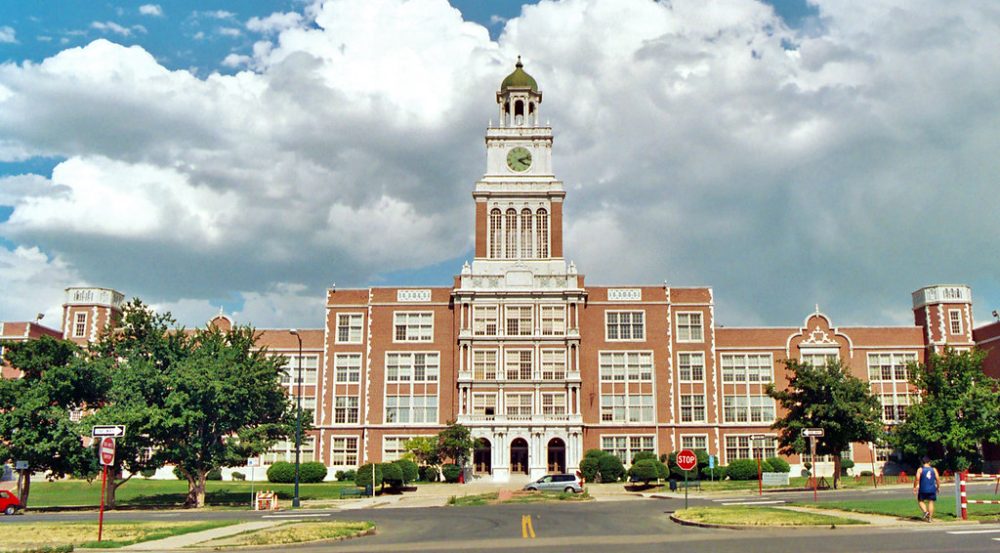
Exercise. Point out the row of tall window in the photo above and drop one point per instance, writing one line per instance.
(518, 364)
(518, 320)
(523, 235)
(518, 404)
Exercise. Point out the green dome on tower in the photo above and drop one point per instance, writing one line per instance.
(519, 79)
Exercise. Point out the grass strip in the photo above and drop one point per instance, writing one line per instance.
(492, 498)
(737, 515)
(299, 532)
(944, 508)
(20, 536)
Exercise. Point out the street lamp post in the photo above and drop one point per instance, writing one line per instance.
(298, 418)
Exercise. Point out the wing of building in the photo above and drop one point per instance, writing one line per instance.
(542, 366)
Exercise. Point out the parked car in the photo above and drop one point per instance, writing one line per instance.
(556, 483)
(9, 503)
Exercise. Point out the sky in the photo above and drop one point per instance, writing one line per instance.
(248, 155)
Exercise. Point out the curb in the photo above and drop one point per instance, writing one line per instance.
(370, 532)
(683, 522)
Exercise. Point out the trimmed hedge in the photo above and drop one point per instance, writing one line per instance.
(451, 473)
(342, 475)
(643, 455)
(742, 469)
(428, 473)
(718, 473)
(590, 468)
(283, 472)
(363, 477)
(409, 469)
(778, 464)
(646, 470)
(611, 468)
(238, 476)
(392, 474)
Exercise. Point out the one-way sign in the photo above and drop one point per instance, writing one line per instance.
(109, 431)
(812, 432)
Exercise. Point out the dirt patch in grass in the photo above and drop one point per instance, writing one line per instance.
(19, 536)
(517, 497)
(299, 532)
(758, 516)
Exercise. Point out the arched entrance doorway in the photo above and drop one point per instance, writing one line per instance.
(557, 455)
(482, 457)
(519, 456)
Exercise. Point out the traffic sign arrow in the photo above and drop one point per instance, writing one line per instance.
(108, 431)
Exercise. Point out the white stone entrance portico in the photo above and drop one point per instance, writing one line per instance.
(546, 450)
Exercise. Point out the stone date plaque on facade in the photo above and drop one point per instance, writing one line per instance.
(413, 295)
(624, 294)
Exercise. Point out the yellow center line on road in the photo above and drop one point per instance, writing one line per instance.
(527, 531)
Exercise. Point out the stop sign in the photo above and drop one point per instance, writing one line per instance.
(687, 460)
(107, 451)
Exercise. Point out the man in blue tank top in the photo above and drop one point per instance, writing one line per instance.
(926, 486)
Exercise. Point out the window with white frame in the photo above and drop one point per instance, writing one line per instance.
(309, 408)
(625, 447)
(819, 358)
(407, 409)
(553, 320)
(626, 408)
(890, 366)
(413, 326)
(484, 405)
(80, 325)
(748, 408)
(345, 410)
(623, 326)
(894, 407)
(692, 408)
(394, 447)
(349, 327)
(347, 368)
(955, 320)
(344, 451)
(485, 320)
(519, 320)
(518, 405)
(484, 364)
(694, 441)
(747, 367)
(554, 403)
(542, 233)
(310, 369)
(285, 451)
(553, 364)
(742, 447)
(689, 327)
(626, 366)
(519, 364)
(883, 453)
(691, 367)
(496, 229)
(415, 367)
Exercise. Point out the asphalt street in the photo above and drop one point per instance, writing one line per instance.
(617, 526)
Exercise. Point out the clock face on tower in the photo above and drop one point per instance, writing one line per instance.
(519, 159)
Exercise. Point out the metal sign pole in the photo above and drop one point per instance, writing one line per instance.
(253, 504)
(100, 517)
(812, 449)
(685, 489)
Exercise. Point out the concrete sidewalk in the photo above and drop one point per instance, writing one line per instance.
(194, 538)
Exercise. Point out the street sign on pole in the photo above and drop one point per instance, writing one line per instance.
(107, 451)
(20, 465)
(108, 431)
(686, 460)
(106, 454)
(758, 437)
(812, 432)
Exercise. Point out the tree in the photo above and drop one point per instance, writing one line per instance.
(455, 443)
(423, 450)
(958, 411)
(34, 410)
(830, 398)
(225, 403)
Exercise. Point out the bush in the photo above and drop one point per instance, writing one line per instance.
(718, 473)
(866, 473)
(742, 469)
(807, 465)
(238, 476)
(590, 468)
(409, 469)
(148, 473)
(611, 468)
(643, 455)
(846, 465)
(428, 473)
(765, 466)
(451, 473)
(214, 474)
(363, 477)
(595, 453)
(645, 470)
(312, 472)
(281, 472)
(342, 475)
(392, 474)
(779, 465)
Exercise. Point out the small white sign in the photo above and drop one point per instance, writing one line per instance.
(108, 431)
(812, 432)
(774, 478)
(20, 465)
(251, 462)
(759, 437)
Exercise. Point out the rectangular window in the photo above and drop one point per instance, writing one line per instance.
(347, 368)
(80, 325)
(413, 326)
(553, 320)
(349, 328)
(742, 447)
(955, 318)
(484, 405)
(554, 404)
(625, 326)
(394, 447)
(519, 320)
(625, 447)
(519, 365)
(889, 366)
(622, 366)
(484, 364)
(689, 327)
(626, 408)
(484, 320)
(734, 408)
(694, 442)
(819, 359)
(747, 367)
(309, 408)
(761, 409)
(691, 367)
(553, 364)
(344, 452)
(415, 367)
(310, 369)
(406, 409)
(518, 405)
(894, 408)
(345, 410)
(693, 408)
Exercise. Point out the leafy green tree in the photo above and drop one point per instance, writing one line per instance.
(958, 411)
(410, 470)
(34, 410)
(830, 398)
(225, 403)
(644, 470)
(455, 443)
(423, 450)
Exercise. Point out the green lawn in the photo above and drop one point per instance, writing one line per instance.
(736, 515)
(847, 482)
(139, 491)
(19, 536)
(944, 508)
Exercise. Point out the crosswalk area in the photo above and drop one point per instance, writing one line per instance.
(985, 531)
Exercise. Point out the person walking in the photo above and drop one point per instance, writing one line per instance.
(926, 487)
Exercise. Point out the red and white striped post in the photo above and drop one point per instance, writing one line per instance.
(961, 494)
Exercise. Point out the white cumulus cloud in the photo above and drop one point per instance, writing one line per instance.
(7, 35)
(151, 9)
